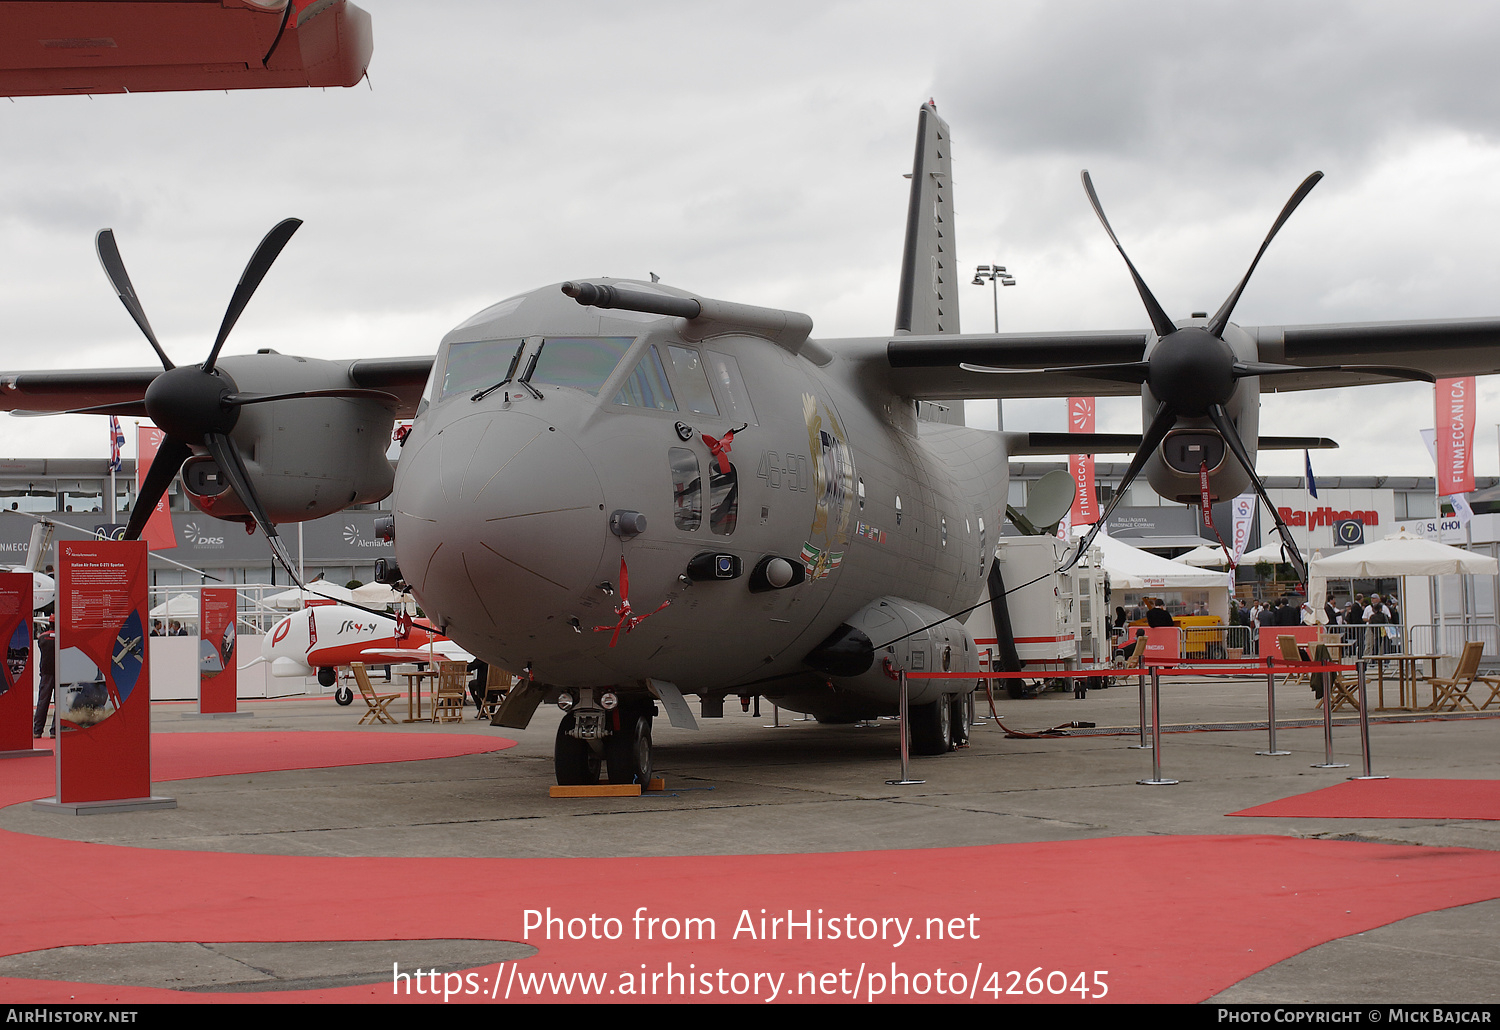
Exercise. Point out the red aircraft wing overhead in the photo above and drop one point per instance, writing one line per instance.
(140, 46)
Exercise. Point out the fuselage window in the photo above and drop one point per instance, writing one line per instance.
(647, 386)
(687, 489)
(723, 499)
(945, 532)
(582, 362)
(692, 381)
(861, 493)
(475, 366)
(898, 509)
(725, 371)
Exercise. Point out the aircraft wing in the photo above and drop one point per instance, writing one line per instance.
(929, 367)
(118, 391)
(104, 46)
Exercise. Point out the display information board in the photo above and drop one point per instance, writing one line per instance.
(217, 680)
(103, 673)
(18, 677)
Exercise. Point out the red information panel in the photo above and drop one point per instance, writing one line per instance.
(1162, 644)
(17, 677)
(216, 662)
(103, 672)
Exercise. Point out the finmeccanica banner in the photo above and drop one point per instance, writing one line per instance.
(1455, 435)
(1085, 505)
(16, 678)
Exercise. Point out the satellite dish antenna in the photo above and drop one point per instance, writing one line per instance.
(1049, 498)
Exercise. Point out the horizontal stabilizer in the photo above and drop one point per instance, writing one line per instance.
(1127, 443)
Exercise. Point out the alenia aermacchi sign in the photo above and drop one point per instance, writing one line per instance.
(1455, 435)
(1085, 505)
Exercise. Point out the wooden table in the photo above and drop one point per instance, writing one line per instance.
(414, 678)
(1406, 672)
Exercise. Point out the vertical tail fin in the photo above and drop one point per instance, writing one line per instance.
(928, 299)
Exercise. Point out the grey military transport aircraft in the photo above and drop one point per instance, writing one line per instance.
(632, 493)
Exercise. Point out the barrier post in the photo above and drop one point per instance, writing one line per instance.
(905, 779)
(1156, 778)
(1271, 714)
(1328, 762)
(1141, 690)
(1364, 727)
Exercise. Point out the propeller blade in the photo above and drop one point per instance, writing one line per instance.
(226, 455)
(1159, 320)
(135, 409)
(260, 263)
(1124, 372)
(1160, 426)
(114, 267)
(1243, 369)
(1225, 425)
(237, 399)
(1221, 317)
(169, 458)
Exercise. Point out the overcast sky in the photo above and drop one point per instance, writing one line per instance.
(755, 152)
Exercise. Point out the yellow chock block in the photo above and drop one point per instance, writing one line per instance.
(598, 790)
(657, 784)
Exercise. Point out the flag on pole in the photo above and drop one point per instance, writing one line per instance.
(116, 443)
(1312, 484)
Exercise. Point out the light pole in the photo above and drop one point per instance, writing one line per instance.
(998, 277)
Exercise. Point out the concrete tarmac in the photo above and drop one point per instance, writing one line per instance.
(740, 786)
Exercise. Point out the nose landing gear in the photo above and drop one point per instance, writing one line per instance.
(590, 740)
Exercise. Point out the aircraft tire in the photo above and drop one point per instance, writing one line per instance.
(931, 727)
(327, 676)
(627, 752)
(344, 696)
(960, 720)
(575, 763)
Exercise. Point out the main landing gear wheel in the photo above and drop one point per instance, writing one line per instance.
(627, 751)
(932, 727)
(344, 696)
(327, 676)
(574, 761)
(960, 720)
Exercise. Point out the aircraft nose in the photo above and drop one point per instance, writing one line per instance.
(499, 522)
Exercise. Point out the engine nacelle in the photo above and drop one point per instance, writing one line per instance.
(864, 654)
(306, 457)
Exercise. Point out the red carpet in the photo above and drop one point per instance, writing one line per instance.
(1171, 919)
(1390, 799)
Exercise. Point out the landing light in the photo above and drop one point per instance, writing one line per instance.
(609, 701)
(565, 702)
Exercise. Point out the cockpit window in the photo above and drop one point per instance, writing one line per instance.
(582, 362)
(726, 372)
(647, 386)
(474, 366)
(692, 382)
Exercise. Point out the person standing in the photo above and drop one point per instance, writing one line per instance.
(46, 680)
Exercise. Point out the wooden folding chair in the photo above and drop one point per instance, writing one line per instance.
(452, 688)
(376, 702)
(1452, 693)
(1136, 656)
(1289, 653)
(1494, 684)
(496, 685)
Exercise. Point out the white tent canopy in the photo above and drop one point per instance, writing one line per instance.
(295, 597)
(1271, 552)
(1403, 554)
(178, 606)
(1400, 554)
(1131, 568)
(380, 594)
(1204, 557)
